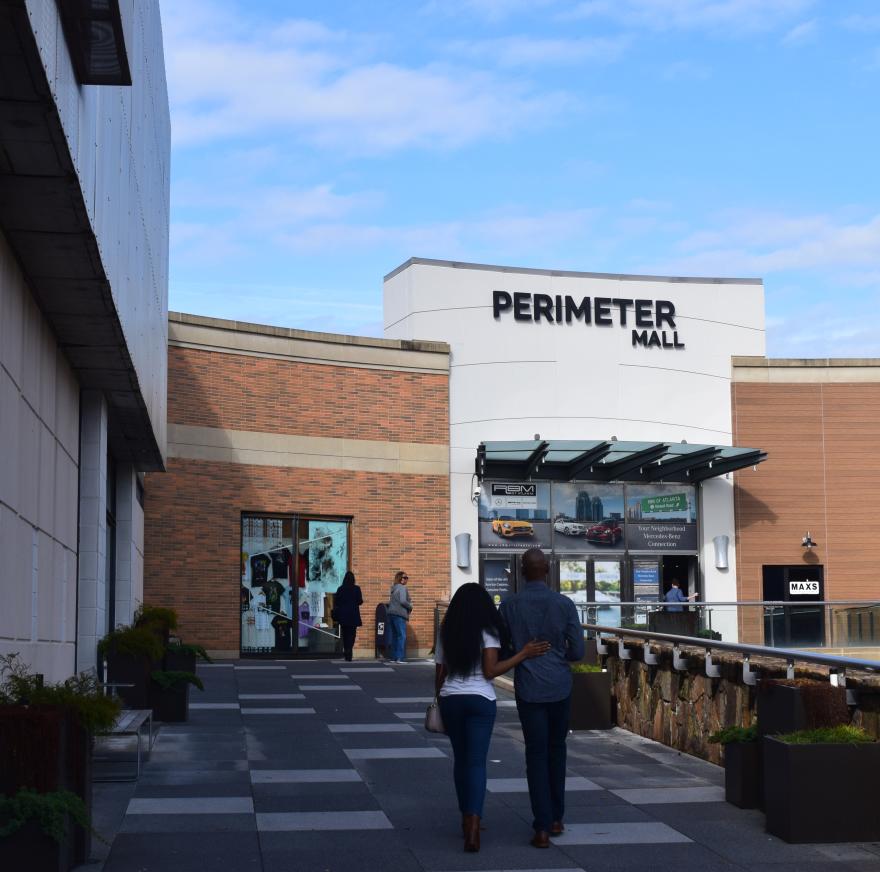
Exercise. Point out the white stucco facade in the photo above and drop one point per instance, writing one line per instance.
(511, 379)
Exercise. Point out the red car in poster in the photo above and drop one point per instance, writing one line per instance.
(607, 533)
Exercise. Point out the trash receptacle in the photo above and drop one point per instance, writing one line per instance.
(381, 630)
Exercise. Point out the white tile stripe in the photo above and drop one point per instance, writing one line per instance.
(634, 833)
(262, 668)
(318, 677)
(401, 700)
(302, 710)
(393, 753)
(668, 795)
(520, 785)
(329, 687)
(271, 696)
(213, 705)
(369, 728)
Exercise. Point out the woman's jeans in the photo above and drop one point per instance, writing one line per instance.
(397, 646)
(469, 719)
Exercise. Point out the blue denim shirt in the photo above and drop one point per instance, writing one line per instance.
(539, 613)
(674, 595)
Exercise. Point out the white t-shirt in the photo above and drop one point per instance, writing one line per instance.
(475, 683)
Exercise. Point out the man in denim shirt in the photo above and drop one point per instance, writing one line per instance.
(543, 689)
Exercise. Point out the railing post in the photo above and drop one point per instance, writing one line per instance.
(750, 676)
(712, 669)
(679, 663)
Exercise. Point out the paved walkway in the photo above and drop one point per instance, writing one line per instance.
(325, 766)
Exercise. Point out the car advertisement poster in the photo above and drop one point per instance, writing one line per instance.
(515, 515)
(588, 517)
(661, 518)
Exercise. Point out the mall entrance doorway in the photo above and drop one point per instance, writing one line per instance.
(796, 626)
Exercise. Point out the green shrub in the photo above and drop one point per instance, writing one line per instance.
(132, 642)
(585, 667)
(185, 648)
(735, 734)
(173, 678)
(82, 693)
(842, 734)
(49, 810)
(155, 617)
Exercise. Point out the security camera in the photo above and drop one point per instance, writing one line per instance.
(477, 491)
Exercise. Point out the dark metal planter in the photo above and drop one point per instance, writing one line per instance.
(124, 669)
(31, 849)
(821, 793)
(179, 661)
(742, 774)
(171, 704)
(782, 709)
(590, 701)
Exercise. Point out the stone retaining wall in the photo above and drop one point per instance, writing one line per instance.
(682, 709)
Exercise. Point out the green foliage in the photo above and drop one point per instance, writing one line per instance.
(709, 634)
(82, 693)
(185, 648)
(842, 734)
(173, 678)
(585, 667)
(49, 810)
(132, 642)
(735, 734)
(156, 617)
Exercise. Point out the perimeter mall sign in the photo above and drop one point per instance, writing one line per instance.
(648, 319)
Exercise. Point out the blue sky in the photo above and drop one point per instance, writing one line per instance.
(316, 146)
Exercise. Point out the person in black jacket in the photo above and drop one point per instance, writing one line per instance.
(346, 611)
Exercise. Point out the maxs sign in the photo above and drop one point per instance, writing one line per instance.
(650, 318)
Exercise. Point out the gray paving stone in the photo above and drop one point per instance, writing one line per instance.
(666, 795)
(302, 710)
(308, 687)
(301, 676)
(521, 785)
(400, 700)
(260, 668)
(392, 753)
(201, 805)
(649, 832)
(292, 776)
(322, 820)
(207, 706)
(271, 696)
(188, 823)
(238, 851)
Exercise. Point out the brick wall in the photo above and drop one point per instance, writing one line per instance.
(822, 441)
(239, 392)
(193, 511)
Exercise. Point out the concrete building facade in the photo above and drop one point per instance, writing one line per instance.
(84, 201)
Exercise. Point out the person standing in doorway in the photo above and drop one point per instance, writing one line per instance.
(347, 613)
(675, 597)
(543, 689)
(399, 610)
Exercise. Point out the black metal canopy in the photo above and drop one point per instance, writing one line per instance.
(571, 460)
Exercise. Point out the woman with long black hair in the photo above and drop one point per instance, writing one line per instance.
(347, 613)
(467, 658)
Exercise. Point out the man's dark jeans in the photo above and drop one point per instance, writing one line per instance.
(545, 728)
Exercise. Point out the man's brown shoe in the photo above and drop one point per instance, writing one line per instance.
(557, 828)
(472, 833)
(541, 839)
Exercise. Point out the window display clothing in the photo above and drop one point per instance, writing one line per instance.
(274, 590)
(260, 564)
(281, 560)
(282, 628)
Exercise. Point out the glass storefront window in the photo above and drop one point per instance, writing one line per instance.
(290, 570)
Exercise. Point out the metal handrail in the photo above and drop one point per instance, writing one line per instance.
(841, 664)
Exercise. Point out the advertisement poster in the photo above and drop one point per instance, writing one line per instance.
(646, 586)
(497, 580)
(661, 517)
(573, 580)
(515, 516)
(607, 578)
(587, 517)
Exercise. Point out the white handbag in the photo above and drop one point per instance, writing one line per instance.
(433, 719)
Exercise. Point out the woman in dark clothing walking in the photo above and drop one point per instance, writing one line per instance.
(346, 611)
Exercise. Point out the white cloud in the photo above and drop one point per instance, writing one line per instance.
(491, 10)
(234, 78)
(726, 16)
(801, 33)
(524, 51)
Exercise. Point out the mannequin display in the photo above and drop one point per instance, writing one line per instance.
(265, 635)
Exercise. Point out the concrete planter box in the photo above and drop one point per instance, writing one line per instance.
(590, 701)
(179, 661)
(125, 669)
(821, 793)
(742, 774)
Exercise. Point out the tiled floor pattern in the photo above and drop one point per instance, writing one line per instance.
(324, 766)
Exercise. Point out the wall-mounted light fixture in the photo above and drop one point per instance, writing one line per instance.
(808, 541)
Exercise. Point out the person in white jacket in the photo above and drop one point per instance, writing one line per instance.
(398, 612)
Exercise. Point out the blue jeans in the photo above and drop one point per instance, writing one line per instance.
(469, 719)
(397, 643)
(545, 728)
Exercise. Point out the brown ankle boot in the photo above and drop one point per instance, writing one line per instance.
(471, 825)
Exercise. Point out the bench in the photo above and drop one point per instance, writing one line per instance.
(131, 722)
